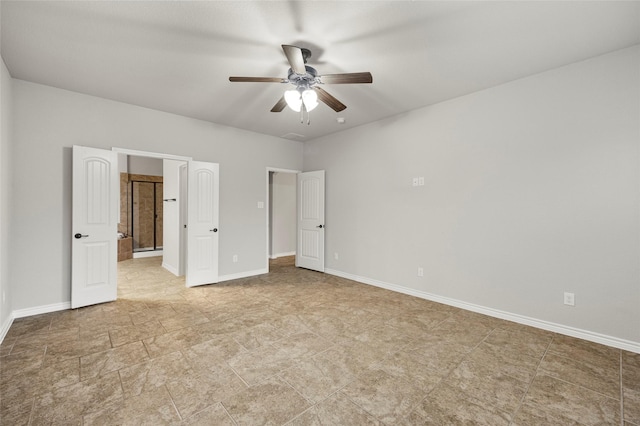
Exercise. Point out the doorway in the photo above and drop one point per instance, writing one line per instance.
(146, 216)
(281, 214)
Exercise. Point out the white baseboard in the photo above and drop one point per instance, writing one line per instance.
(5, 327)
(171, 269)
(239, 275)
(520, 319)
(277, 255)
(151, 253)
(37, 310)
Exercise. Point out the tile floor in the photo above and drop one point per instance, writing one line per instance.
(300, 348)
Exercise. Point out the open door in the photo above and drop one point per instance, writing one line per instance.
(310, 247)
(202, 223)
(94, 250)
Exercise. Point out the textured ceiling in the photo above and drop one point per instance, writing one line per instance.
(177, 56)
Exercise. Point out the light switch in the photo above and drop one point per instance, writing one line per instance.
(261, 204)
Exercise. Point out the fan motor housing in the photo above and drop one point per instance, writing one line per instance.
(308, 79)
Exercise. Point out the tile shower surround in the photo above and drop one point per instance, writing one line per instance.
(300, 348)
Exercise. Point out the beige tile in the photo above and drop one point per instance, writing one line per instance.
(556, 401)
(21, 362)
(101, 363)
(387, 398)
(270, 402)
(386, 338)
(213, 352)
(631, 370)
(446, 405)
(588, 352)
(134, 333)
(212, 415)
(68, 404)
(406, 366)
(256, 336)
(74, 348)
(316, 378)
(518, 342)
(517, 365)
(298, 337)
(355, 358)
(171, 342)
(632, 405)
(152, 408)
(28, 325)
(154, 373)
(260, 364)
(302, 345)
(194, 392)
(335, 410)
(183, 320)
(487, 383)
(603, 377)
(441, 355)
(17, 415)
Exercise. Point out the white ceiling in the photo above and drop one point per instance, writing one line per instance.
(177, 56)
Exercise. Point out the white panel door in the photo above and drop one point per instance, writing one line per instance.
(310, 247)
(202, 223)
(94, 243)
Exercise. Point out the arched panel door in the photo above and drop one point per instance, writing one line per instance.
(202, 223)
(94, 240)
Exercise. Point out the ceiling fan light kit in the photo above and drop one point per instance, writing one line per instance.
(307, 93)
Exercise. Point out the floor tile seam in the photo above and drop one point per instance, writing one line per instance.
(621, 393)
(309, 402)
(228, 413)
(528, 388)
(542, 373)
(173, 402)
(565, 356)
(549, 373)
(237, 374)
(357, 405)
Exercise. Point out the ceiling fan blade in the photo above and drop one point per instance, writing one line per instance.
(348, 78)
(258, 79)
(328, 99)
(279, 106)
(295, 58)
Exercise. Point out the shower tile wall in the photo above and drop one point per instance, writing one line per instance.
(143, 210)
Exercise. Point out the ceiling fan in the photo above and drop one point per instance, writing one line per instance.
(306, 80)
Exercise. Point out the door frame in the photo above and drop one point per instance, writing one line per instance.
(160, 156)
(268, 206)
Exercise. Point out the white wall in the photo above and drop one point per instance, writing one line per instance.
(144, 165)
(6, 194)
(171, 215)
(283, 214)
(531, 189)
(48, 121)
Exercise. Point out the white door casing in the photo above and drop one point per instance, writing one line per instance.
(94, 251)
(311, 226)
(202, 223)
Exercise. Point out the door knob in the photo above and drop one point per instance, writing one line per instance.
(214, 230)
(79, 235)
(320, 226)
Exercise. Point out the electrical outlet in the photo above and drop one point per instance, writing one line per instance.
(421, 181)
(420, 272)
(335, 256)
(235, 258)
(569, 299)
